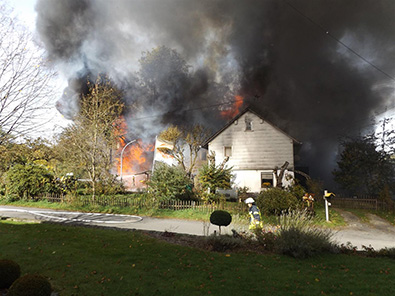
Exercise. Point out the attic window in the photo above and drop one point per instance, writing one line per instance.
(227, 151)
(248, 124)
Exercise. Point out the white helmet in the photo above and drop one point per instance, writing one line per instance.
(249, 200)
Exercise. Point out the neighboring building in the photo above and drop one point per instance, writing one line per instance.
(255, 148)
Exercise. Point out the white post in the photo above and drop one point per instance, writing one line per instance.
(326, 206)
(153, 162)
(123, 149)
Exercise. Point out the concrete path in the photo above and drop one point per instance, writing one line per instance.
(378, 233)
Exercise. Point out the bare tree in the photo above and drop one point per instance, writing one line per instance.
(186, 145)
(279, 174)
(24, 78)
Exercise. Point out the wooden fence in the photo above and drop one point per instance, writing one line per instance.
(125, 201)
(363, 203)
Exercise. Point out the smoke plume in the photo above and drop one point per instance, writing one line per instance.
(288, 59)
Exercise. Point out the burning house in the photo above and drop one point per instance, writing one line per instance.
(256, 150)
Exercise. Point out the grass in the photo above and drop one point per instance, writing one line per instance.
(160, 213)
(95, 261)
(390, 217)
(361, 214)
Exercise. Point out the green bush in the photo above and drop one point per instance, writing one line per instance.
(10, 271)
(275, 201)
(30, 285)
(299, 238)
(213, 177)
(220, 218)
(110, 186)
(169, 182)
(223, 243)
(387, 252)
(30, 180)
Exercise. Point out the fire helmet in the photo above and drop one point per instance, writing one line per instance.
(249, 200)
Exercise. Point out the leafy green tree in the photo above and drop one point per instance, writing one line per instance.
(38, 151)
(362, 169)
(87, 144)
(30, 180)
(169, 183)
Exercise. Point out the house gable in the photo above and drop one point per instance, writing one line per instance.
(253, 143)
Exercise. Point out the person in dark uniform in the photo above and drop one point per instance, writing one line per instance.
(255, 214)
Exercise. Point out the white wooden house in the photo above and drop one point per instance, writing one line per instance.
(255, 148)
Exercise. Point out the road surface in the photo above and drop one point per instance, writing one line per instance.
(378, 233)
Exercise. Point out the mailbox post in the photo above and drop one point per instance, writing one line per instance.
(327, 197)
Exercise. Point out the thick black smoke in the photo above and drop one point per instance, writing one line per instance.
(280, 55)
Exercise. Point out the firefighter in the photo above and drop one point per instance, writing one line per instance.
(255, 214)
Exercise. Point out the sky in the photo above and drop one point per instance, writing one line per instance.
(304, 65)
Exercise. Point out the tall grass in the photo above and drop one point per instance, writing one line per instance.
(298, 237)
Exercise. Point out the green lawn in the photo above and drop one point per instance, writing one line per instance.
(94, 261)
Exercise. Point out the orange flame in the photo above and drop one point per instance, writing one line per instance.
(137, 157)
(234, 109)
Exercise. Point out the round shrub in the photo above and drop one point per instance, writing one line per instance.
(220, 218)
(10, 271)
(274, 201)
(30, 285)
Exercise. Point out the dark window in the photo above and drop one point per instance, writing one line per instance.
(228, 151)
(248, 124)
(266, 180)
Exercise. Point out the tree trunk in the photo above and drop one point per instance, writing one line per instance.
(280, 176)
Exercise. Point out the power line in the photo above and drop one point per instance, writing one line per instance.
(339, 41)
(190, 109)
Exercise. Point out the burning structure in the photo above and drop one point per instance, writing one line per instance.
(293, 61)
(255, 149)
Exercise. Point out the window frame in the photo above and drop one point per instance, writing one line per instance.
(231, 151)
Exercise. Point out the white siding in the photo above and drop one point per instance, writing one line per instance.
(260, 149)
(252, 179)
(253, 152)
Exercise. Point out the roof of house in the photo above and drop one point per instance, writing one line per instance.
(247, 109)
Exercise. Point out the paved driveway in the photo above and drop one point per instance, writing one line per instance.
(378, 233)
